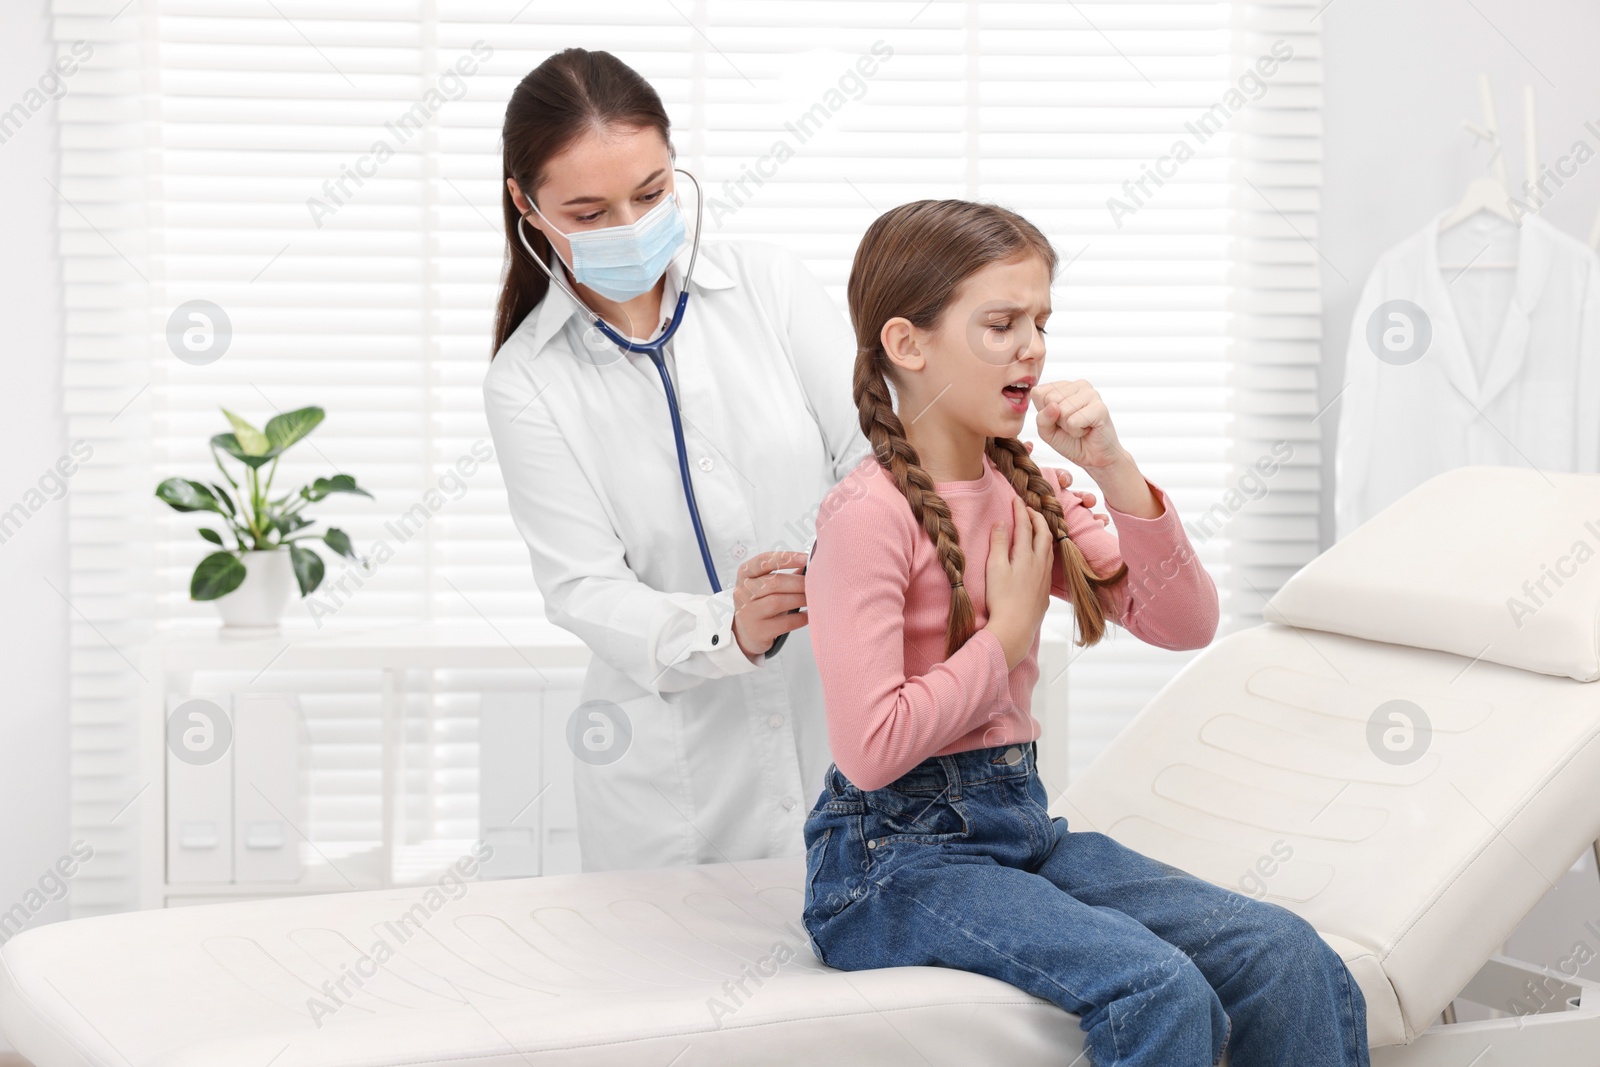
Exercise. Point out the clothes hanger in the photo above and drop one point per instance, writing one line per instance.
(1491, 193)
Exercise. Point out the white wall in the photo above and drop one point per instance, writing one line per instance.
(1398, 81)
(33, 622)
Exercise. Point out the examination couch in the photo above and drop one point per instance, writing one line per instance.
(1406, 752)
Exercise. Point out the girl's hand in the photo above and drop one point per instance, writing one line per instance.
(1017, 580)
(1074, 421)
(763, 599)
(1064, 476)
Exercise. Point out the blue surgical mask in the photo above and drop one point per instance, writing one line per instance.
(621, 262)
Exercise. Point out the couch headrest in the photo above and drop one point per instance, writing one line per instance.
(1501, 563)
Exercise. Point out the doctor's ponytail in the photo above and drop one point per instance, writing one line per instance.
(570, 93)
(909, 264)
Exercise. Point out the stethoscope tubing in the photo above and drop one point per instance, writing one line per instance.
(683, 472)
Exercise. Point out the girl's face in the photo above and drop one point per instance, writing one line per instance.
(609, 176)
(972, 373)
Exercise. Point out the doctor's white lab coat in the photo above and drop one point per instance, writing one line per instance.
(726, 756)
(1516, 387)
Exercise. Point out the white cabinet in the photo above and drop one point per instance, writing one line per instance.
(269, 787)
(235, 788)
(439, 735)
(230, 747)
(199, 793)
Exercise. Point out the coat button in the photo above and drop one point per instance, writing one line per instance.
(787, 802)
(739, 550)
(774, 720)
(705, 463)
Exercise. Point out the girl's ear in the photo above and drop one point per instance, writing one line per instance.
(899, 341)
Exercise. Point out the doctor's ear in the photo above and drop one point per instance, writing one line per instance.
(899, 341)
(517, 198)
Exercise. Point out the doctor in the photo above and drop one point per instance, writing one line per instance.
(617, 337)
(701, 743)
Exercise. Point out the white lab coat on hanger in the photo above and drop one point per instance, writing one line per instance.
(726, 755)
(1518, 389)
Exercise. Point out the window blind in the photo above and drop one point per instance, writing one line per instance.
(326, 173)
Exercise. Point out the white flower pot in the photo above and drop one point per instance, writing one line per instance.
(258, 604)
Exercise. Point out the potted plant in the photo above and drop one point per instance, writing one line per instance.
(250, 580)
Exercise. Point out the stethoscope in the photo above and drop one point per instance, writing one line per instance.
(653, 349)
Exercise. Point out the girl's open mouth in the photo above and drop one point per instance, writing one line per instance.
(1016, 395)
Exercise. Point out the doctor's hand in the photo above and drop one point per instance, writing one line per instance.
(764, 599)
(1074, 421)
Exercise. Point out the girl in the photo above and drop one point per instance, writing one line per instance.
(930, 844)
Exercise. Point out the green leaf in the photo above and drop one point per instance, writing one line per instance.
(288, 524)
(217, 575)
(339, 483)
(339, 541)
(307, 568)
(252, 440)
(284, 430)
(224, 498)
(230, 444)
(180, 494)
(211, 535)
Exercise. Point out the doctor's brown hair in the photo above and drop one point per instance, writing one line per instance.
(570, 93)
(909, 264)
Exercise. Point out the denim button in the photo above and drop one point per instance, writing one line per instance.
(1013, 755)
(873, 843)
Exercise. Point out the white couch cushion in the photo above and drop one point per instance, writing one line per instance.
(1258, 767)
(1497, 563)
(706, 965)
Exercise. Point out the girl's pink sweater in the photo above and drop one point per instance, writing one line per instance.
(878, 602)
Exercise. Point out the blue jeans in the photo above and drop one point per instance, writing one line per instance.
(959, 864)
